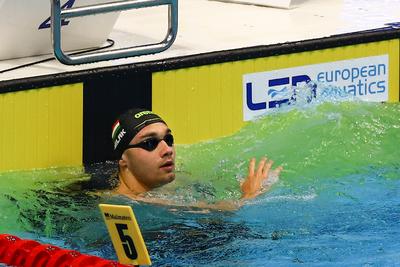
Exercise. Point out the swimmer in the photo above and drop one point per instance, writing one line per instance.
(144, 145)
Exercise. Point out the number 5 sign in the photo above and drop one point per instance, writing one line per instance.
(125, 234)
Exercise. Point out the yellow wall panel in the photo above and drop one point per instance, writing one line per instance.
(44, 128)
(206, 102)
(394, 71)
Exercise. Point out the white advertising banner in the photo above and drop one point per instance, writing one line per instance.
(25, 27)
(364, 78)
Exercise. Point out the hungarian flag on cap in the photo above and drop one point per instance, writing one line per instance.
(115, 130)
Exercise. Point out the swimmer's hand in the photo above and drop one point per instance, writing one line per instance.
(253, 185)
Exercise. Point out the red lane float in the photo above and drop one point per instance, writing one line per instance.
(30, 253)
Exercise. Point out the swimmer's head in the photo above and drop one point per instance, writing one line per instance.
(126, 127)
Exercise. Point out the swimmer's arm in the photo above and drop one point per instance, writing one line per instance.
(197, 207)
(253, 185)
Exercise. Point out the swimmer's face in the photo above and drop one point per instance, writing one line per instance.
(151, 168)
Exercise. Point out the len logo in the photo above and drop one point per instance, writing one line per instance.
(46, 24)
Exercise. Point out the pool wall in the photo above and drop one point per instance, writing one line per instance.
(65, 119)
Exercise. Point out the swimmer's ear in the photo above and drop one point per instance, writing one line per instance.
(122, 162)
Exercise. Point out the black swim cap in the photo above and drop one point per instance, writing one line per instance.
(129, 124)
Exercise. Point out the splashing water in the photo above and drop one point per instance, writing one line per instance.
(324, 140)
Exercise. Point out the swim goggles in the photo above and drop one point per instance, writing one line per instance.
(151, 143)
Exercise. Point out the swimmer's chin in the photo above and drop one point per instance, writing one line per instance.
(169, 179)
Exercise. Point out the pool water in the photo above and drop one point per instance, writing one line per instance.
(336, 203)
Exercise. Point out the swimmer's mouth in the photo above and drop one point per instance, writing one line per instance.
(167, 164)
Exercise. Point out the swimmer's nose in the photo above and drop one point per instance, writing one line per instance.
(165, 149)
